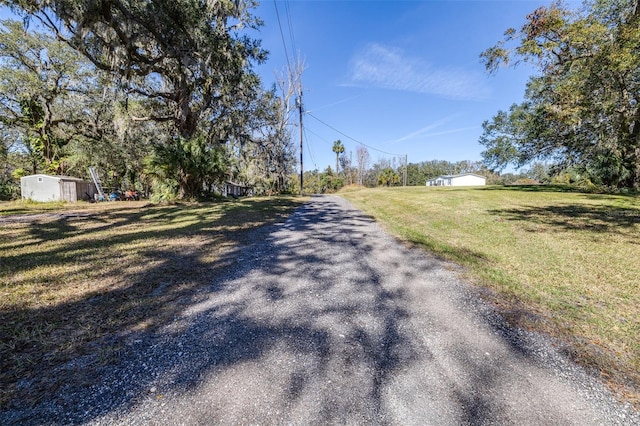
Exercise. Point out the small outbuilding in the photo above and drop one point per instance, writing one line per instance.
(464, 179)
(56, 188)
(235, 190)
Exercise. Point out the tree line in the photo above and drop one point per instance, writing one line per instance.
(159, 95)
(394, 172)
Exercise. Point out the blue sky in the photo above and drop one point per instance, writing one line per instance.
(401, 76)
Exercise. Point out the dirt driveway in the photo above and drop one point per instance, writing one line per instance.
(328, 320)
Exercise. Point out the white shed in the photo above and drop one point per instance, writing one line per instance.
(465, 179)
(56, 188)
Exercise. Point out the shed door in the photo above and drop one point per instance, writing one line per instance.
(69, 191)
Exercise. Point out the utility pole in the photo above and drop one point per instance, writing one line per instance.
(299, 101)
(350, 167)
(404, 183)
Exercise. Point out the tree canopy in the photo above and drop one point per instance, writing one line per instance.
(582, 108)
(185, 55)
(338, 148)
(180, 102)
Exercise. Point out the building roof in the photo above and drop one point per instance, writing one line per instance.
(459, 175)
(57, 177)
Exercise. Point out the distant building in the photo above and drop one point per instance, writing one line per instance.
(56, 188)
(465, 179)
(235, 190)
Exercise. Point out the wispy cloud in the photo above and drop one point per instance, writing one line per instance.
(450, 131)
(426, 129)
(426, 132)
(341, 101)
(390, 68)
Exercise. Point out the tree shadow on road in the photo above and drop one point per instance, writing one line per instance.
(181, 318)
(90, 296)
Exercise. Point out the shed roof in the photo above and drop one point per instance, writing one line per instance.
(59, 177)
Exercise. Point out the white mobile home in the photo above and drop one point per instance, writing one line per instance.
(465, 179)
(56, 188)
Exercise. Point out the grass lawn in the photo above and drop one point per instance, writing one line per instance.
(75, 278)
(561, 262)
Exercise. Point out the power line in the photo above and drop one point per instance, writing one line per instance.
(289, 68)
(306, 129)
(306, 138)
(289, 21)
(355, 140)
(286, 53)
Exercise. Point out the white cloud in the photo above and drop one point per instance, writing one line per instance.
(424, 133)
(450, 131)
(389, 68)
(341, 101)
(426, 129)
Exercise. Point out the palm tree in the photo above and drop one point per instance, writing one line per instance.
(338, 148)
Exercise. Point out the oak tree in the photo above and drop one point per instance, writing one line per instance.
(186, 60)
(582, 108)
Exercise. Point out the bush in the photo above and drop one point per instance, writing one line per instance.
(165, 191)
(9, 189)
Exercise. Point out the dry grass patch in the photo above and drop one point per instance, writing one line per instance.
(557, 261)
(75, 279)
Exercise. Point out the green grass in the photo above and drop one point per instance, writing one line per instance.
(34, 207)
(558, 261)
(71, 283)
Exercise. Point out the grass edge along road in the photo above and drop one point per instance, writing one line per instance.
(76, 278)
(556, 261)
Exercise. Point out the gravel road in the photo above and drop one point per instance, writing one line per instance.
(328, 320)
